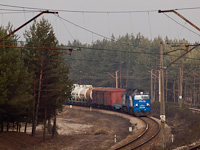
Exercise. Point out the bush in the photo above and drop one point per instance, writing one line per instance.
(183, 123)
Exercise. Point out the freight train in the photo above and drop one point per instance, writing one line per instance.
(133, 101)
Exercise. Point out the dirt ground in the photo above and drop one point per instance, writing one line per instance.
(78, 129)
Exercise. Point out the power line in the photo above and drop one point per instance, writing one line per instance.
(67, 30)
(105, 49)
(17, 10)
(103, 36)
(7, 11)
(182, 25)
(187, 8)
(83, 28)
(14, 6)
(75, 11)
(107, 12)
(113, 39)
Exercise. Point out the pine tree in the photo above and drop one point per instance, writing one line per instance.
(49, 71)
(14, 82)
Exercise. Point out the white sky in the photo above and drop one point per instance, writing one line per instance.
(150, 24)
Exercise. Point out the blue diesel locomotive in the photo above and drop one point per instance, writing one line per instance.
(136, 102)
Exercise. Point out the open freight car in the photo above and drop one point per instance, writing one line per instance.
(106, 97)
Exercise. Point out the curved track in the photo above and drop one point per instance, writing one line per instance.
(151, 130)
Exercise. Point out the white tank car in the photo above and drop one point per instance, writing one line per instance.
(76, 91)
(79, 92)
(73, 90)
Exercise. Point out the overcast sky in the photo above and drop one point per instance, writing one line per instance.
(150, 24)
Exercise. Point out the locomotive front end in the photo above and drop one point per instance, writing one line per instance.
(142, 104)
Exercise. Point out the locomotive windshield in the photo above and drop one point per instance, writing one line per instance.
(139, 97)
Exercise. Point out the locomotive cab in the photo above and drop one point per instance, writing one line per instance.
(141, 103)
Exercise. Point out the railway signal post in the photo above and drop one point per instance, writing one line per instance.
(162, 101)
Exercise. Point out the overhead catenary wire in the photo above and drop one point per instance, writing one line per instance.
(26, 11)
(75, 11)
(83, 27)
(11, 11)
(17, 12)
(181, 24)
(89, 30)
(131, 22)
(103, 49)
(98, 33)
(182, 30)
(67, 30)
(149, 26)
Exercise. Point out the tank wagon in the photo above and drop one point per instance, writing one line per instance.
(133, 101)
(80, 94)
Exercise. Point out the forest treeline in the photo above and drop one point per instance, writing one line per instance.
(34, 83)
(134, 56)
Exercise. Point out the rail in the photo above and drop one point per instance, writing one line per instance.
(130, 142)
(152, 137)
(194, 109)
(196, 147)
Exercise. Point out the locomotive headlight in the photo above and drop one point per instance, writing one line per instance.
(148, 104)
(136, 105)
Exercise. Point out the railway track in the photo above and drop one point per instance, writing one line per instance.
(152, 129)
(195, 110)
(150, 132)
(196, 147)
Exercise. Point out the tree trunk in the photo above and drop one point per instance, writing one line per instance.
(155, 87)
(49, 125)
(39, 95)
(2, 126)
(166, 86)
(13, 128)
(25, 127)
(178, 81)
(7, 124)
(174, 92)
(54, 121)
(17, 126)
(54, 124)
(33, 123)
(45, 120)
(34, 103)
(127, 76)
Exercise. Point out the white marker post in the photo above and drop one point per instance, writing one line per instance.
(130, 129)
(70, 106)
(115, 138)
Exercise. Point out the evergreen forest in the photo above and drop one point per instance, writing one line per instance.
(134, 57)
(35, 82)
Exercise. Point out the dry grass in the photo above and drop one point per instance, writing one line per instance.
(184, 123)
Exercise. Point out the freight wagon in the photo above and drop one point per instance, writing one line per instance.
(133, 101)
